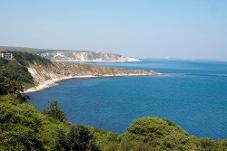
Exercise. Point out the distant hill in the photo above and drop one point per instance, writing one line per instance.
(73, 55)
(24, 49)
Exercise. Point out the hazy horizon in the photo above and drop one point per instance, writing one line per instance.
(146, 29)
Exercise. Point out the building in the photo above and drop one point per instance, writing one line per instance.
(6, 55)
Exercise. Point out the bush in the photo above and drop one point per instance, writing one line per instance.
(19, 127)
(157, 134)
(55, 111)
(62, 143)
(12, 87)
(80, 139)
(14, 71)
(22, 127)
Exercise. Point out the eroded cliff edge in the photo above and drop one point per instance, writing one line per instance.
(47, 76)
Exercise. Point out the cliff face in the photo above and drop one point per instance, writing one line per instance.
(46, 76)
(58, 71)
(33, 70)
(85, 56)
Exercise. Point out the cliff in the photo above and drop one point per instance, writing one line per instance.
(73, 55)
(37, 72)
(85, 56)
(46, 76)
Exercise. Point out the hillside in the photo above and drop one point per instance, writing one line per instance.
(33, 70)
(22, 49)
(16, 69)
(73, 55)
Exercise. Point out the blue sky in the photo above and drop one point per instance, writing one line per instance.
(185, 29)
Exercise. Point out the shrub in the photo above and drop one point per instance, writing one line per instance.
(19, 127)
(55, 111)
(157, 134)
(14, 71)
(79, 138)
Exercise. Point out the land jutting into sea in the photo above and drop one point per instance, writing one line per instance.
(45, 73)
(47, 76)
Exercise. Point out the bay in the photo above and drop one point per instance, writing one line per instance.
(193, 94)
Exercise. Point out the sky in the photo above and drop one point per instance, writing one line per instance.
(183, 29)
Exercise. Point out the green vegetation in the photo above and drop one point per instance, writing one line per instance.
(80, 138)
(25, 59)
(55, 112)
(16, 69)
(12, 87)
(22, 127)
(155, 134)
(23, 49)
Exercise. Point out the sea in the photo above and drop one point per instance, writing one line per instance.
(192, 94)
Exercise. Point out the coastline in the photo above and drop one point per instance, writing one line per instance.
(53, 82)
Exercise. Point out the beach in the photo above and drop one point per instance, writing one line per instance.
(53, 82)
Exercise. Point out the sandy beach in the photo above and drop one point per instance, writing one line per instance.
(54, 82)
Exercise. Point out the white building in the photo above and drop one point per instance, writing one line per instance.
(6, 55)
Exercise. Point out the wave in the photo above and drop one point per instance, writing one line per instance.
(192, 74)
(206, 75)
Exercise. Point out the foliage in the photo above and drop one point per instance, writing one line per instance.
(25, 58)
(55, 111)
(80, 138)
(22, 127)
(14, 71)
(107, 141)
(12, 87)
(17, 69)
(62, 143)
(155, 134)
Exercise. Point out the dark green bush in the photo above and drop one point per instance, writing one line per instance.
(14, 71)
(55, 111)
(80, 139)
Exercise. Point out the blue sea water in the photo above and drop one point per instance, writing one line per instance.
(193, 94)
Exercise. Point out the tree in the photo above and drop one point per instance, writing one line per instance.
(80, 139)
(62, 144)
(8, 86)
(20, 127)
(55, 111)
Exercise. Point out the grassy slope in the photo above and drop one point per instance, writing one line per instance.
(17, 69)
(25, 59)
(14, 71)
